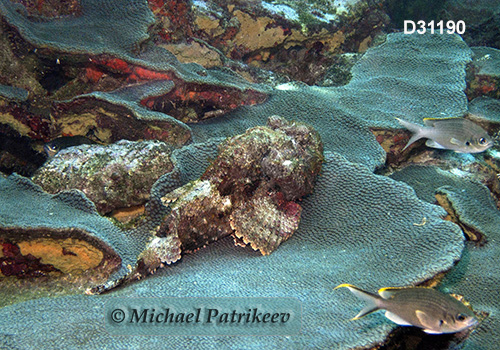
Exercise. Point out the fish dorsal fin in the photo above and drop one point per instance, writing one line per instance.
(427, 321)
(388, 292)
(454, 141)
(434, 144)
(396, 319)
(429, 121)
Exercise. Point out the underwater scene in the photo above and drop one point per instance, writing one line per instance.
(260, 174)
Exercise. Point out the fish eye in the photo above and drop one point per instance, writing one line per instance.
(461, 317)
(482, 141)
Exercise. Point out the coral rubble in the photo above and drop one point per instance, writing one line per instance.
(295, 38)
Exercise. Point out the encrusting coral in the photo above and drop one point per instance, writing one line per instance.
(62, 231)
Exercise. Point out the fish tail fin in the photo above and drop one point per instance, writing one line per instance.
(370, 299)
(414, 128)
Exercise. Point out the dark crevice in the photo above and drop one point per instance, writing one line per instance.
(413, 338)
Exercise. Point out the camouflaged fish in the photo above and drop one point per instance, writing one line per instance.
(52, 147)
(427, 308)
(457, 134)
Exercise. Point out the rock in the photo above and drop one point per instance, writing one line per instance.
(115, 176)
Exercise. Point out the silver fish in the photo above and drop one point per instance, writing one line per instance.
(427, 308)
(457, 134)
(52, 147)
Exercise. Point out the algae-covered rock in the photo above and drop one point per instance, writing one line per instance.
(117, 115)
(483, 78)
(114, 176)
(296, 38)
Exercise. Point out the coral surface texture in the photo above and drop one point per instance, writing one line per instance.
(161, 149)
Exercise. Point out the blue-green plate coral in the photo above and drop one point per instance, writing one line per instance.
(66, 224)
(354, 228)
(476, 274)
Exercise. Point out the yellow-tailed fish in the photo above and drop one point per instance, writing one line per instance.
(427, 308)
(457, 134)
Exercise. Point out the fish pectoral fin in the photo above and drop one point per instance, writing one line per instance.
(434, 144)
(430, 331)
(454, 141)
(427, 321)
(396, 319)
